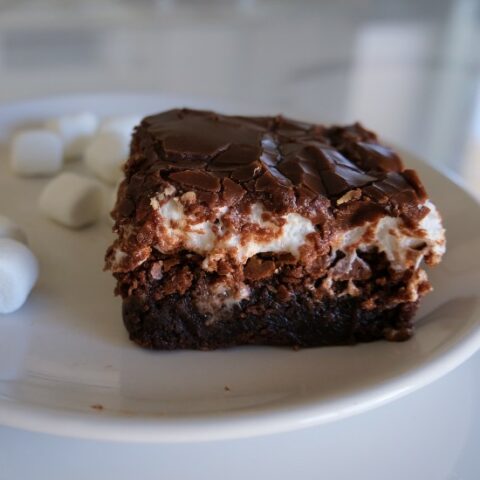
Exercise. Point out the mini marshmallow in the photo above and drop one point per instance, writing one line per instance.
(9, 229)
(121, 124)
(106, 155)
(72, 200)
(75, 130)
(18, 274)
(36, 153)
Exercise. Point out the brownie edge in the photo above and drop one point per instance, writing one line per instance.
(175, 323)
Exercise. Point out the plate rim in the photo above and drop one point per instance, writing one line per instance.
(238, 424)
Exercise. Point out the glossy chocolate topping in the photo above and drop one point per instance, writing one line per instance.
(288, 165)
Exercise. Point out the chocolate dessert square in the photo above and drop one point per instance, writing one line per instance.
(264, 230)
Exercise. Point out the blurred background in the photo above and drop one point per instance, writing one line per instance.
(406, 68)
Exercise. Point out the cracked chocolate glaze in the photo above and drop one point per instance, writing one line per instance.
(285, 164)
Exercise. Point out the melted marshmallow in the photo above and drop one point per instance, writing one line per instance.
(403, 247)
(200, 237)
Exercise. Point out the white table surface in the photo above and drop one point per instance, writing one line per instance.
(408, 69)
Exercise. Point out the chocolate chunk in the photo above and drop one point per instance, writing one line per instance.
(412, 177)
(232, 192)
(350, 133)
(197, 179)
(374, 156)
(258, 269)
(271, 180)
(235, 156)
(246, 173)
(210, 198)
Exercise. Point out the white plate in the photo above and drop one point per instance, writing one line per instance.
(67, 366)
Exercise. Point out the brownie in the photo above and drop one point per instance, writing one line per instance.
(266, 230)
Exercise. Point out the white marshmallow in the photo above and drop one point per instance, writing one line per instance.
(18, 274)
(106, 155)
(36, 153)
(72, 200)
(9, 229)
(121, 124)
(75, 130)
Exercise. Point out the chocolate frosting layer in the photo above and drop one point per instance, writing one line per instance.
(286, 164)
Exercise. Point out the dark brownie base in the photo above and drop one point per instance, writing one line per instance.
(175, 323)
